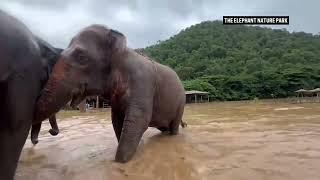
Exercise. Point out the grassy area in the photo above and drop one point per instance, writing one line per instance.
(101, 113)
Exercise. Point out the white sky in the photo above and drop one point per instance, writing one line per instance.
(146, 21)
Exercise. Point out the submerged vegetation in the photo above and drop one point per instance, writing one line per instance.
(241, 62)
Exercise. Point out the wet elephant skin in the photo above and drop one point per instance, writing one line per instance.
(25, 61)
(143, 93)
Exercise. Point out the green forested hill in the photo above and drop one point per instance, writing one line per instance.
(235, 62)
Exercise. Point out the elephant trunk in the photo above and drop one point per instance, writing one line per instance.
(55, 94)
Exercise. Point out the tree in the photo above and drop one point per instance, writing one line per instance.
(241, 62)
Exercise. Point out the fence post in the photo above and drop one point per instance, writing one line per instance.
(97, 105)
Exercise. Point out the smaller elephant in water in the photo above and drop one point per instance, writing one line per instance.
(143, 93)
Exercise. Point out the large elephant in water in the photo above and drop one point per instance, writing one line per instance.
(143, 93)
(25, 63)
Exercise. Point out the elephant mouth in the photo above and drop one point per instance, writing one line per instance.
(78, 96)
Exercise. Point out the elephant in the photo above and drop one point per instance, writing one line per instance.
(142, 92)
(25, 63)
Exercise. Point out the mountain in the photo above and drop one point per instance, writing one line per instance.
(237, 62)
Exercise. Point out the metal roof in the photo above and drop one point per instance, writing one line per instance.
(196, 92)
(310, 91)
(315, 90)
(301, 90)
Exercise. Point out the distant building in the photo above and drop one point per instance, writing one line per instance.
(308, 93)
(93, 102)
(197, 96)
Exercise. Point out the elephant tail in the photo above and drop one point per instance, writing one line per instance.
(183, 124)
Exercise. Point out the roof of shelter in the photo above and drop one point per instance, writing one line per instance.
(196, 92)
(315, 90)
(301, 90)
(309, 91)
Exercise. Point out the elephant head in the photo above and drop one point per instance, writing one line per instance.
(82, 69)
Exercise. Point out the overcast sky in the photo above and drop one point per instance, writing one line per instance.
(146, 21)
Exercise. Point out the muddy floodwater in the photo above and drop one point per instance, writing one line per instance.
(227, 141)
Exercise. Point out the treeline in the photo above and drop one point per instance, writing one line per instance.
(235, 62)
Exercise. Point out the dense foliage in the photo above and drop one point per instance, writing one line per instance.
(235, 62)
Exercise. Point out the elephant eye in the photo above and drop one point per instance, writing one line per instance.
(80, 56)
(82, 59)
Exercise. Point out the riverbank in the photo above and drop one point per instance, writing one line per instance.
(293, 100)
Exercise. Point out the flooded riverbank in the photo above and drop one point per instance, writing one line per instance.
(229, 140)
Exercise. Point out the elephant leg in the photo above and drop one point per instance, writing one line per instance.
(15, 124)
(2, 100)
(117, 122)
(163, 129)
(174, 125)
(54, 126)
(35, 133)
(135, 124)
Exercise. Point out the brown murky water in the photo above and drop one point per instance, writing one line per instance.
(222, 141)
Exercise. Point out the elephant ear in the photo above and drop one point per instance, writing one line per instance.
(48, 52)
(50, 56)
(116, 40)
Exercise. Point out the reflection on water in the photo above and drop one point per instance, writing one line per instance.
(222, 141)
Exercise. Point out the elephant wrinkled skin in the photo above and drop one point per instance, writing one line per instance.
(25, 63)
(143, 93)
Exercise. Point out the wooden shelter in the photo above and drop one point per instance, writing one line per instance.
(96, 102)
(316, 92)
(197, 96)
(308, 93)
(93, 102)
